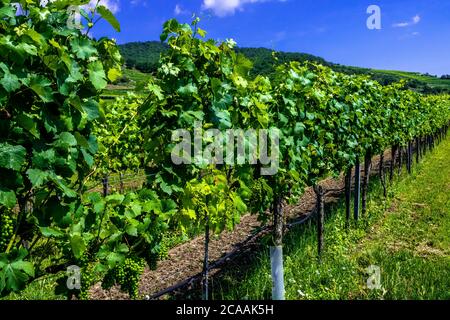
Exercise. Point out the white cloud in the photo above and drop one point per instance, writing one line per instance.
(414, 20)
(178, 11)
(223, 8)
(139, 2)
(112, 5)
(401, 24)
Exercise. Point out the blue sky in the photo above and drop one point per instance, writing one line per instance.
(414, 35)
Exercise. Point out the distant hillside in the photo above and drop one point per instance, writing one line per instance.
(264, 64)
(143, 56)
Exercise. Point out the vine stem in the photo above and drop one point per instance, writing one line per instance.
(22, 206)
(206, 259)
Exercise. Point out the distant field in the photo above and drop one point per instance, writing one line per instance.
(136, 75)
(432, 81)
(132, 81)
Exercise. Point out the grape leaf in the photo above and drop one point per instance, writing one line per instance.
(42, 87)
(97, 75)
(83, 48)
(12, 157)
(37, 177)
(8, 198)
(14, 271)
(78, 245)
(109, 16)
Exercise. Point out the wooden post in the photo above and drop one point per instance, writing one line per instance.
(206, 260)
(367, 167)
(105, 182)
(393, 158)
(348, 195)
(278, 221)
(417, 150)
(121, 183)
(357, 189)
(409, 156)
(320, 220)
(381, 174)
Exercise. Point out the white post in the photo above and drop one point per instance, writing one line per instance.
(276, 260)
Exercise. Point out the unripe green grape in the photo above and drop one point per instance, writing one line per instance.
(88, 279)
(127, 275)
(6, 229)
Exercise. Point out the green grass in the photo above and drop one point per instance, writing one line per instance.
(406, 235)
(40, 289)
(136, 75)
(136, 82)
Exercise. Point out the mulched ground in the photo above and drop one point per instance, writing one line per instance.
(186, 260)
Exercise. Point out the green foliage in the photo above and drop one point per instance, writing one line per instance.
(119, 139)
(12, 157)
(106, 14)
(51, 76)
(196, 82)
(14, 271)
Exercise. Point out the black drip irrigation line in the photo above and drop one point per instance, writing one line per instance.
(240, 249)
(302, 220)
(242, 246)
(198, 277)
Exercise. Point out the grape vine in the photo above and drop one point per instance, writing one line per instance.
(51, 78)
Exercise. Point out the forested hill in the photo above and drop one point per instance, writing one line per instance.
(144, 56)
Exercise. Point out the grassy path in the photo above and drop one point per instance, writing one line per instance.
(406, 236)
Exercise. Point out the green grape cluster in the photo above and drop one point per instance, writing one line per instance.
(88, 279)
(6, 229)
(165, 245)
(152, 258)
(261, 195)
(85, 259)
(127, 275)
